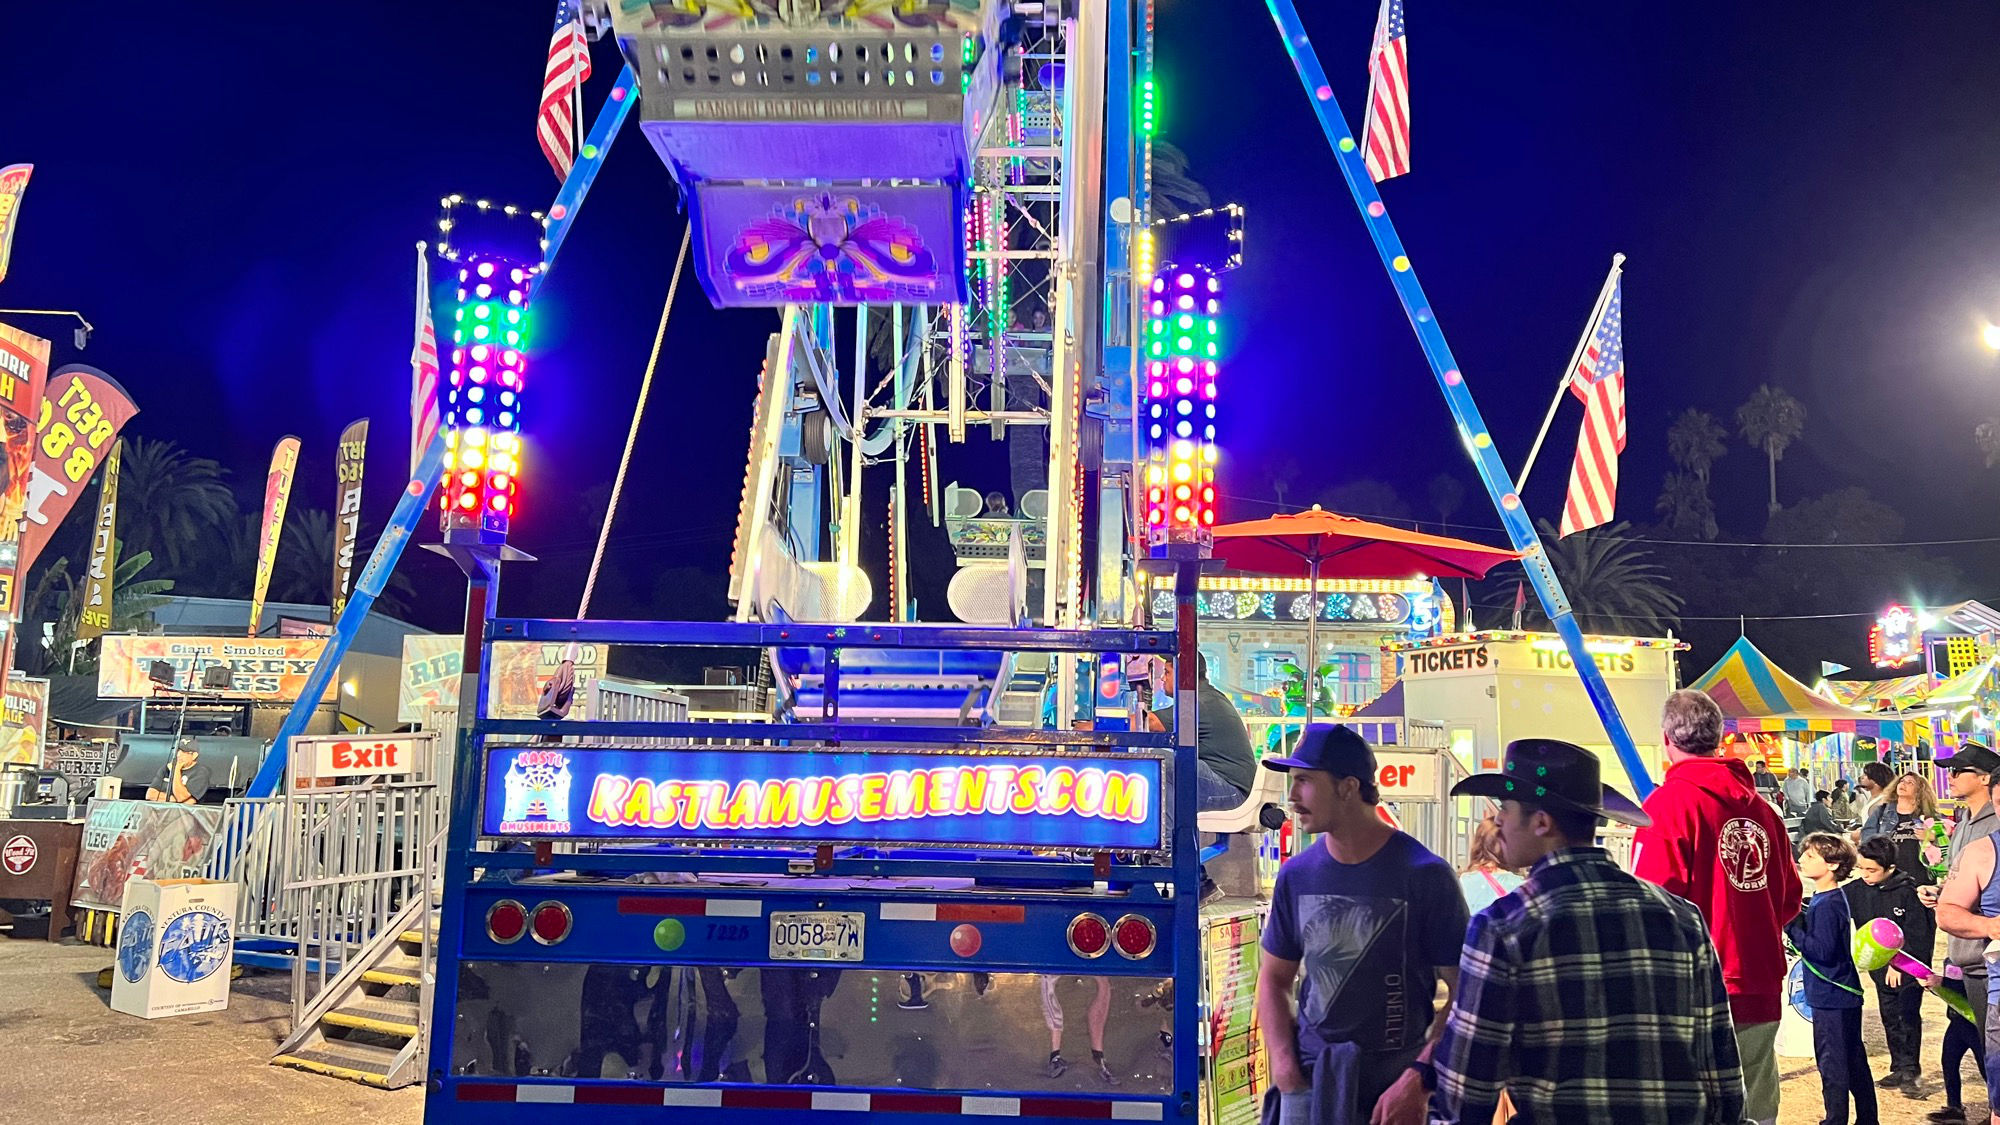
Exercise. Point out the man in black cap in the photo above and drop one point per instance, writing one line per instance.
(1374, 920)
(1587, 994)
(1965, 948)
(184, 780)
(1969, 768)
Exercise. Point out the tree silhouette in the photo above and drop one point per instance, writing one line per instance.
(1696, 442)
(1688, 511)
(1173, 191)
(171, 504)
(1612, 583)
(1447, 494)
(1771, 420)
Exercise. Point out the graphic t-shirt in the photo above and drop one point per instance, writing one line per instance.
(1369, 938)
(1920, 846)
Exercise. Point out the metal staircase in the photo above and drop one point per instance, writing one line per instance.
(370, 1023)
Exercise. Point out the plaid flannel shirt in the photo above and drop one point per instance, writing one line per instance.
(1589, 995)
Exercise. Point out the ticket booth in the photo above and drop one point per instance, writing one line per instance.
(1490, 688)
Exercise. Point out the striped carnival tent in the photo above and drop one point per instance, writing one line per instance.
(1879, 695)
(1757, 695)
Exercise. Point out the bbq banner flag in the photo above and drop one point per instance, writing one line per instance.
(24, 368)
(82, 411)
(277, 493)
(98, 585)
(13, 184)
(348, 461)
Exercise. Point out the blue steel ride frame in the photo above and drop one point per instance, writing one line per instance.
(1471, 427)
(508, 1100)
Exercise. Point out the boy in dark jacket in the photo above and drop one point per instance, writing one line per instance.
(1883, 891)
(1824, 937)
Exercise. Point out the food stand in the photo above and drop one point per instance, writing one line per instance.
(1491, 687)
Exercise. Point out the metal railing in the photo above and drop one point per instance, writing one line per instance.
(242, 853)
(358, 858)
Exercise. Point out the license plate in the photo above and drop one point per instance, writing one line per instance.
(816, 935)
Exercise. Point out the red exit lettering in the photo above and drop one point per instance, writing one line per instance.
(381, 756)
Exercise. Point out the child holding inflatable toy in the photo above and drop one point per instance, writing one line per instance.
(1823, 935)
(1886, 891)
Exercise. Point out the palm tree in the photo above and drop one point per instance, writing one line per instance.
(1173, 191)
(1695, 442)
(1771, 420)
(1987, 434)
(170, 502)
(1611, 583)
(303, 570)
(1685, 503)
(1447, 494)
(132, 599)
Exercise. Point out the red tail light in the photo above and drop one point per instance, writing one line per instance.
(1089, 936)
(551, 923)
(506, 921)
(1134, 936)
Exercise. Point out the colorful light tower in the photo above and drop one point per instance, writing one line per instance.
(1182, 348)
(482, 413)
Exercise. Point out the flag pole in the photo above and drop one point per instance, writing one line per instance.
(1569, 373)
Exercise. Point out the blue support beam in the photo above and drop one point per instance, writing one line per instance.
(1451, 380)
(389, 548)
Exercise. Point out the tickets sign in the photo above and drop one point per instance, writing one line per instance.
(1049, 801)
(270, 669)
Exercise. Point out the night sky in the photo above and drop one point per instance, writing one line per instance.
(1807, 194)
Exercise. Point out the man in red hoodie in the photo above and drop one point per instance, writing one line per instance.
(1716, 843)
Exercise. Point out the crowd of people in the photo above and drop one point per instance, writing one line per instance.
(1576, 990)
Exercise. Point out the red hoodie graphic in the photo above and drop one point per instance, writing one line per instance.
(1716, 843)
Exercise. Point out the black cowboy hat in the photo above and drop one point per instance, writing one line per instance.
(1553, 774)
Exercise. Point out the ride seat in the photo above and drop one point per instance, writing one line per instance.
(1248, 816)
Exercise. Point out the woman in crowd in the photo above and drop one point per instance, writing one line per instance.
(1842, 804)
(1487, 877)
(1920, 832)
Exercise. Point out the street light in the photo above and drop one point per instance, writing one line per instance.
(1991, 334)
(82, 336)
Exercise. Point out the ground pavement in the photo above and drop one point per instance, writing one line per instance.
(66, 1056)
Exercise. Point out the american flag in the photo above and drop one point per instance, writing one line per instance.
(1599, 381)
(1385, 133)
(557, 125)
(423, 369)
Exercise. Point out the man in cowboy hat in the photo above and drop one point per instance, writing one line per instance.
(1586, 994)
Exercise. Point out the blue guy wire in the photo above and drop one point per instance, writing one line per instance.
(1471, 427)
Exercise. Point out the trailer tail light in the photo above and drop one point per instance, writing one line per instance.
(1134, 936)
(506, 921)
(1089, 936)
(551, 922)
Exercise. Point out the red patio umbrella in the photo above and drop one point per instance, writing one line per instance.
(1320, 544)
